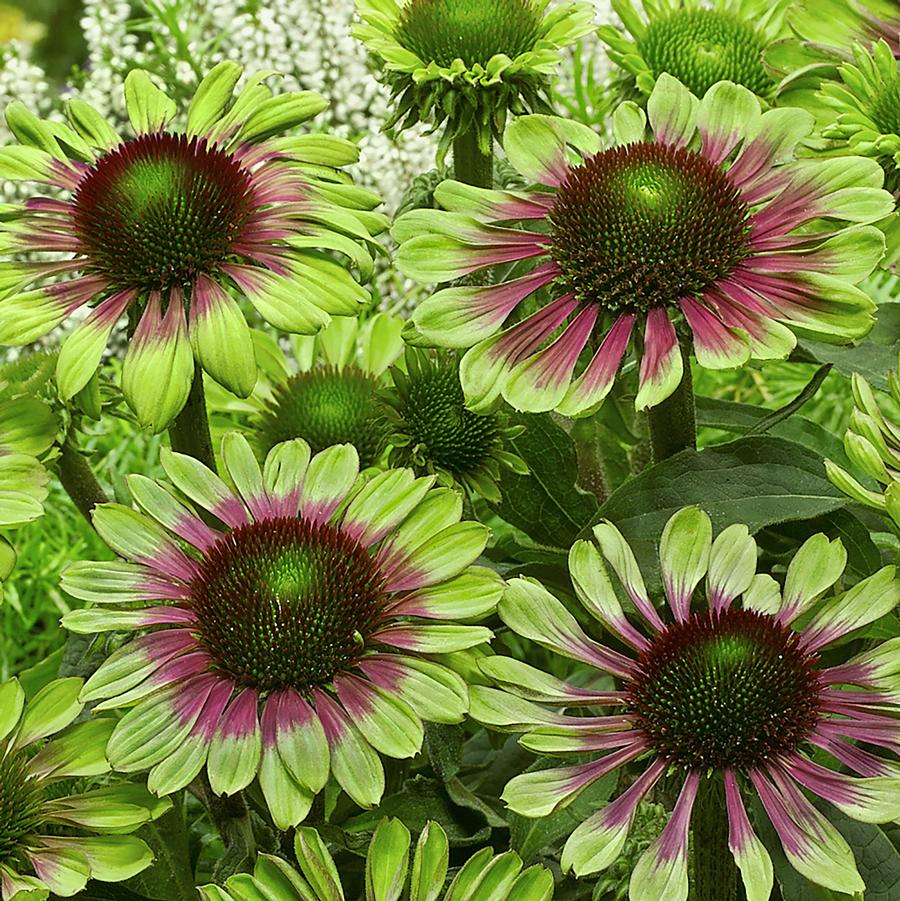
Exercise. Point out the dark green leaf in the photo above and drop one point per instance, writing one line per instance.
(420, 800)
(105, 891)
(788, 410)
(741, 418)
(877, 859)
(872, 358)
(169, 877)
(545, 504)
(758, 481)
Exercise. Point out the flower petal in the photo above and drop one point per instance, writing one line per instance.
(684, 551)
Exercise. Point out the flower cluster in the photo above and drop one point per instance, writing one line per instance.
(294, 641)
(54, 835)
(708, 220)
(304, 628)
(730, 694)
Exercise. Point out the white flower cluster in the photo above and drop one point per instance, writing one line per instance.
(20, 79)
(307, 41)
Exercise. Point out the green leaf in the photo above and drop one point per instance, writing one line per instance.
(788, 410)
(169, 877)
(877, 859)
(420, 800)
(863, 556)
(531, 836)
(872, 358)
(546, 505)
(758, 481)
(741, 418)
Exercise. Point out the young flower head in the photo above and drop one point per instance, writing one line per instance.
(707, 223)
(330, 395)
(465, 62)
(434, 431)
(293, 641)
(56, 834)
(168, 225)
(872, 442)
(389, 872)
(721, 690)
(696, 42)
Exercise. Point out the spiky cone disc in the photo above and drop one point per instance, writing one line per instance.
(326, 406)
(324, 391)
(171, 227)
(293, 644)
(62, 822)
(435, 432)
(697, 43)
(391, 870)
(461, 65)
(728, 688)
(699, 218)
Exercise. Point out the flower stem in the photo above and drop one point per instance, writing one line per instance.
(470, 165)
(716, 876)
(673, 423)
(189, 433)
(78, 479)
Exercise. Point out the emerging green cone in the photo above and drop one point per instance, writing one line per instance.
(697, 42)
(860, 116)
(435, 432)
(54, 836)
(389, 872)
(464, 64)
(872, 442)
(325, 394)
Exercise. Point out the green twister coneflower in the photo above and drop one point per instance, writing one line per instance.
(294, 641)
(28, 429)
(699, 42)
(872, 442)
(699, 223)
(433, 430)
(61, 822)
(328, 393)
(466, 63)
(170, 226)
(388, 876)
(734, 697)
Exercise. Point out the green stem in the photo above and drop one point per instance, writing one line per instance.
(673, 423)
(189, 433)
(230, 817)
(470, 165)
(78, 479)
(589, 457)
(716, 876)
